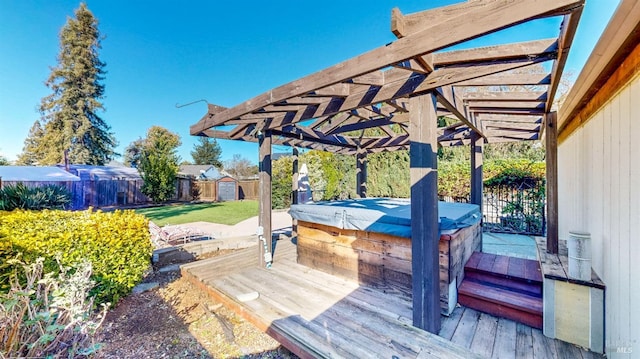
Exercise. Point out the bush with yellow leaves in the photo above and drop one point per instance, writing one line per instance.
(117, 245)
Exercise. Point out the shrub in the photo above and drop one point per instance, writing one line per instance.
(117, 244)
(50, 316)
(454, 178)
(36, 198)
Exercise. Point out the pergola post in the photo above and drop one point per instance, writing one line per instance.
(551, 141)
(424, 212)
(361, 173)
(264, 219)
(477, 145)
(295, 177)
(294, 190)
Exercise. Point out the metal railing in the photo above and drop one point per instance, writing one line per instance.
(515, 208)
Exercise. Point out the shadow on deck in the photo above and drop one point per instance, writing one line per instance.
(315, 314)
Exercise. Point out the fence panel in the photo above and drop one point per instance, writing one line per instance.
(207, 190)
(248, 189)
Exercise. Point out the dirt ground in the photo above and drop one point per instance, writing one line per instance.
(177, 320)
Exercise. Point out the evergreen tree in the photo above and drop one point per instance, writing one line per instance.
(159, 163)
(133, 152)
(31, 151)
(69, 115)
(207, 152)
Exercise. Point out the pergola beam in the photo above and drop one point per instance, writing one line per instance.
(428, 39)
(445, 102)
(567, 33)
(495, 53)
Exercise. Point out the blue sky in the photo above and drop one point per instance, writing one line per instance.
(162, 53)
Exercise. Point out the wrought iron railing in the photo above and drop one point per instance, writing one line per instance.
(515, 208)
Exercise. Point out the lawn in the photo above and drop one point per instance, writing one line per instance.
(220, 212)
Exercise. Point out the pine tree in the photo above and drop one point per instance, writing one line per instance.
(31, 151)
(207, 152)
(133, 152)
(69, 115)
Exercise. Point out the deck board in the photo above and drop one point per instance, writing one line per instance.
(485, 335)
(318, 315)
(466, 328)
(524, 342)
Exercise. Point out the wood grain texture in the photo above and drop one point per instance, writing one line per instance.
(314, 326)
(423, 165)
(264, 218)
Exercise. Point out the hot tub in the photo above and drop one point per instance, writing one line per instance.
(369, 240)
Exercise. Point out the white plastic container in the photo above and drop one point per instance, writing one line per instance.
(579, 248)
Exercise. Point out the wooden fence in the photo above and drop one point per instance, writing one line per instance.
(108, 193)
(248, 189)
(207, 190)
(85, 194)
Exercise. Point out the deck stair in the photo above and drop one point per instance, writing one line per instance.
(503, 286)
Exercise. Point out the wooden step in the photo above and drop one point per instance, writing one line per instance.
(518, 269)
(488, 298)
(519, 286)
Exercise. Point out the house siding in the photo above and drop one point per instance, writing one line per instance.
(599, 192)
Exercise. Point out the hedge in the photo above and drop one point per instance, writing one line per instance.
(117, 244)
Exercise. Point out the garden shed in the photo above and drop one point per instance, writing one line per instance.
(227, 189)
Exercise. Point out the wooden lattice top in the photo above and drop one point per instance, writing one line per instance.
(362, 103)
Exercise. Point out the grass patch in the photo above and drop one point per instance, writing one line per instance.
(220, 212)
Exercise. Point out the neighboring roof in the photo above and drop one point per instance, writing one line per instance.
(194, 170)
(105, 173)
(35, 174)
(330, 109)
(619, 41)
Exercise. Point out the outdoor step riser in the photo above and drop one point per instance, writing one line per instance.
(492, 299)
(525, 303)
(517, 285)
(469, 269)
(489, 307)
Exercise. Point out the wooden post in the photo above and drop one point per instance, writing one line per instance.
(294, 191)
(551, 141)
(424, 213)
(361, 173)
(294, 177)
(264, 220)
(477, 143)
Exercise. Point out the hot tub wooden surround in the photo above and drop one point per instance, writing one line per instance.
(382, 259)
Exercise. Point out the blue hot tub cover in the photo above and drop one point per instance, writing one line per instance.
(383, 215)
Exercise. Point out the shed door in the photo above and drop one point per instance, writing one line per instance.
(227, 191)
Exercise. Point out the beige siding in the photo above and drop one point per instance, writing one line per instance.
(599, 192)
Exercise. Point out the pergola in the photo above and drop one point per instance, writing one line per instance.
(400, 89)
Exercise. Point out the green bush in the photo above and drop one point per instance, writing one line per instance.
(36, 198)
(510, 172)
(117, 244)
(454, 178)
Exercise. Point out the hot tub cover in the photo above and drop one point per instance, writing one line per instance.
(382, 215)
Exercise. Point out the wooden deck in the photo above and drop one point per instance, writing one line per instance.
(315, 314)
